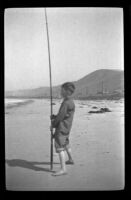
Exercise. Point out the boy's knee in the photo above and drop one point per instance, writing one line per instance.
(59, 150)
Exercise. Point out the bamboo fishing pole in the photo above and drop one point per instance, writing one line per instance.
(51, 108)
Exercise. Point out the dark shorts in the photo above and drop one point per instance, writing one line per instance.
(61, 142)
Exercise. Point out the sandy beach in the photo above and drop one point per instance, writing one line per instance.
(97, 142)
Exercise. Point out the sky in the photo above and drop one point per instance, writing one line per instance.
(82, 40)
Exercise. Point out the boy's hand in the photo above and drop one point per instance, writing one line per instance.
(53, 136)
(52, 117)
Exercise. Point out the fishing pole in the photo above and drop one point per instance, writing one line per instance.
(51, 99)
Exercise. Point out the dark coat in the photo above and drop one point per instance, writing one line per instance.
(63, 120)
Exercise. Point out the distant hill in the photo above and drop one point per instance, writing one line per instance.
(98, 84)
(101, 82)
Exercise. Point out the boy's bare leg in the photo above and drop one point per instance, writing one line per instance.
(70, 161)
(63, 166)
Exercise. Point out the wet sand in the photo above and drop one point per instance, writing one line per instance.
(97, 142)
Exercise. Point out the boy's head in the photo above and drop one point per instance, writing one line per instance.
(67, 89)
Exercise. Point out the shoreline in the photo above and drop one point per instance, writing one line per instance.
(17, 104)
(90, 98)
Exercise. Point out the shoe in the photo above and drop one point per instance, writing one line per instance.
(59, 173)
(68, 162)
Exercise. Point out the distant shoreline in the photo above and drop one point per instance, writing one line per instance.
(103, 97)
(93, 97)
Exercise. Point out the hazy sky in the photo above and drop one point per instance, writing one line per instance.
(82, 40)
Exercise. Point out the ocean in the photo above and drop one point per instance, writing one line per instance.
(13, 101)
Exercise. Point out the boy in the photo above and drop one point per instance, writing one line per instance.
(62, 123)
